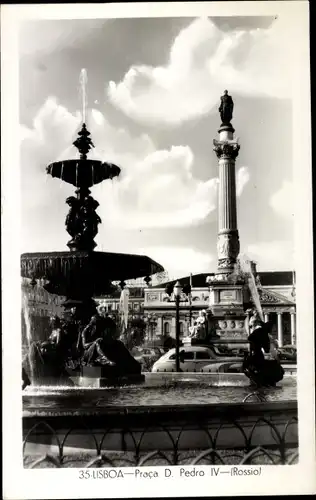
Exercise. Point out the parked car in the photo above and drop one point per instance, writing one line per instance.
(192, 359)
(287, 357)
(233, 366)
(223, 351)
(287, 353)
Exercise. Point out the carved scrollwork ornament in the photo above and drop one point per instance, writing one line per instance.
(226, 263)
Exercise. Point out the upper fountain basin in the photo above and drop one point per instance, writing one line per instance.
(83, 173)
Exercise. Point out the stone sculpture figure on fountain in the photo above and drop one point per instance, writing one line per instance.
(73, 220)
(48, 359)
(102, 348)
(96, 346)
(90, 219)
(82, 222)
(93, 337)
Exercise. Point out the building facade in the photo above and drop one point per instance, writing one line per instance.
(153, 304)
(277, 297)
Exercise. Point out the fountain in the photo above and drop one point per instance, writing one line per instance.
(79, 275)
(102, 415)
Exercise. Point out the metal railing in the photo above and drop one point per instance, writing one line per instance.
(279, 445)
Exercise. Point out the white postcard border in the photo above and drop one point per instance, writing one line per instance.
(64, 483)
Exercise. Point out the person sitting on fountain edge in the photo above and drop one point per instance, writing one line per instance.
(256, 367)
(259, 340)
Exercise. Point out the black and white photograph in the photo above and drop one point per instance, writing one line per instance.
(163, 307)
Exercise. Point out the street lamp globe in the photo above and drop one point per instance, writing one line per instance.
(177, 289)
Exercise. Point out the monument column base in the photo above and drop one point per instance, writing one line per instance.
(226, 313)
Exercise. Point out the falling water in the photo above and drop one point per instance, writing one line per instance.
(62, 173)
(83, 79)
(245, 267)
(27, 321)
(77, 174)
(92, 173)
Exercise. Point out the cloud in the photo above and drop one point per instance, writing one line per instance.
(156, 188)
(272, 255)
(161, 191)
(283, 200)
(202, 60)
(46, 36)
(52, 131)
(242, 178)
(179, 261)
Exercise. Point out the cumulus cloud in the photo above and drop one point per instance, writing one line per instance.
(160, 191)
(202, 59)
(283, 200)
(179, 261)
(52, 131)
(156, 188)
(242, 178)
(272, 255)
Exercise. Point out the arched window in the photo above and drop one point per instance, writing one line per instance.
(181, 327)
(166, 328)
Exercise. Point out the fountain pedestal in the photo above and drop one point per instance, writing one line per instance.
(97, 377)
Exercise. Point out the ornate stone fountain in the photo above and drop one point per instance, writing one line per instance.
(82, 273)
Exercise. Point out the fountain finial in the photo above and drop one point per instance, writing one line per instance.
(83, 143)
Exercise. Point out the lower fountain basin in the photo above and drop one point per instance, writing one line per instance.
(192, 419)
(158, 390)
(92, 271)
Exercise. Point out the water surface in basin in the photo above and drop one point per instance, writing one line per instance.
(168, 395)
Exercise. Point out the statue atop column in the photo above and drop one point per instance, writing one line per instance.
(226, 108)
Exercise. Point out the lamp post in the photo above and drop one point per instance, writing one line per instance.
(177, 290)
(151, 320)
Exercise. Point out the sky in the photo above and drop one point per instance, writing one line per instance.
(153, 91)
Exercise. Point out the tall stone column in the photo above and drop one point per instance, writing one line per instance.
(226, 149)
(227, 296)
